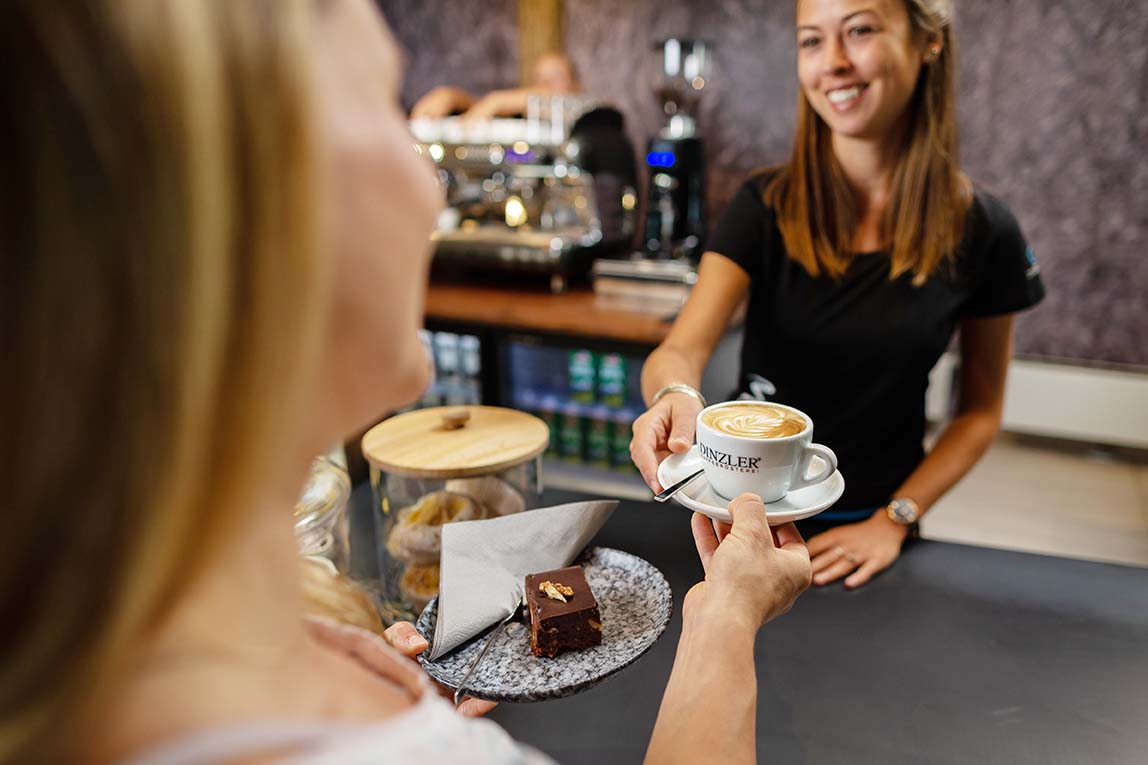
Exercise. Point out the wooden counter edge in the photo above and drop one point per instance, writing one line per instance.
(577, 313)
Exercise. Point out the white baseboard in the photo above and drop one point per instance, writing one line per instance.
(1102, 406)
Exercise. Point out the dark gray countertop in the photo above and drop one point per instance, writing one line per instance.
(956, 655)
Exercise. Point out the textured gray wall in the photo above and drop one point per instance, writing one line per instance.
(1054, 119)
(473, 45)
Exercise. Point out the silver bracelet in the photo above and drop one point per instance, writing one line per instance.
(689, 390)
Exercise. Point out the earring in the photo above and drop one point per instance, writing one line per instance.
(934, 53)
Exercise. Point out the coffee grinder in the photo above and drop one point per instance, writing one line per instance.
(675, 199)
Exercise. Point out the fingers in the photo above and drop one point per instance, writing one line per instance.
(648, 431)
(404, 638)
(681, 430)
(821, 543)
(325, 629)
(664, 427)
(480, 109)
(434, 105)
(472, 707)
(342, 636)
(787, 537)
(427, 112)
(704, 538)
(748, 513)
(486, 107)
(826, 558)
(834, 571)
(721, 529)
(868, 570)
(369, 649)
(469, 706)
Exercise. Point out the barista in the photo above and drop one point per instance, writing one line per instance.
(553, 75)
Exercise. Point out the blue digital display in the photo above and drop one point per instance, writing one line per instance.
(519, 157)
(660, 159)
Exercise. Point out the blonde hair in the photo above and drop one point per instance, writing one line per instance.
(923, 224)
(333, 595)
(160, 296)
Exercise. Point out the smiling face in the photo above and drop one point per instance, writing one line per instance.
(858, 63)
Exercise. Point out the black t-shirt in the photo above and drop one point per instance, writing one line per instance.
(855, 353)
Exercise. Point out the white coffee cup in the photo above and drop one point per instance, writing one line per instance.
(769, 466)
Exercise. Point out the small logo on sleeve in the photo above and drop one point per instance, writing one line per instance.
(1033, 267)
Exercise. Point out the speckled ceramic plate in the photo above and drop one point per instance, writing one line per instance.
(635, 602)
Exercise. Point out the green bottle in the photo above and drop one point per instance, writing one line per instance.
(621, 432)
(582, 375)
(612, 380)
(599, 433)
(548, 413)
(570, 434)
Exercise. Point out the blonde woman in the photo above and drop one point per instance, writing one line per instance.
(859, 258)
(214, 235)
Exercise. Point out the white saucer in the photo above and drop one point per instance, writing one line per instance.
(794, 506)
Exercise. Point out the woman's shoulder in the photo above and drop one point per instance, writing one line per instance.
(747, 223)
(990, 218)
(431, 731)
(751, 197)
(760, 179)
(1004, 274)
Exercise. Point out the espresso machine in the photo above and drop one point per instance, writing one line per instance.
(675, 200)
(658, 277)
(534, 199)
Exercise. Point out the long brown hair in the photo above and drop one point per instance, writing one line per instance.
(929, 196)
(160, 295)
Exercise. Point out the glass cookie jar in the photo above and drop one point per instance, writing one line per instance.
(431, 467)
(320, 514)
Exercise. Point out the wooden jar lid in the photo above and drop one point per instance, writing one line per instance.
(443, 442)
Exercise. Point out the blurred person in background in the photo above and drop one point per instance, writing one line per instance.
(195, 302)
(553, 75)
(860, 259)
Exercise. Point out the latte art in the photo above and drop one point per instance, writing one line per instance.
(759, 447)
(754, 421)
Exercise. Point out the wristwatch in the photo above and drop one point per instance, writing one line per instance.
(903, 512)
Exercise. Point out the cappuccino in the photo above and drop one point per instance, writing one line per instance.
(759, 447)
(753, 420)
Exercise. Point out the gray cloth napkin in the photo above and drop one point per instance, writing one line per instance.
(484, 564)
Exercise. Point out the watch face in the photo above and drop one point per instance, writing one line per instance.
(904, 511)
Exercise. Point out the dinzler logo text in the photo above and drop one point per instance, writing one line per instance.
(729, 461)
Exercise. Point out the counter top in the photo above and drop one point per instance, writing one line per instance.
(955, 655)
(576, 313)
